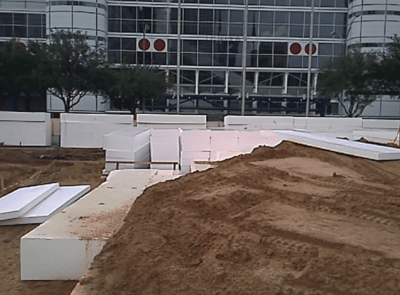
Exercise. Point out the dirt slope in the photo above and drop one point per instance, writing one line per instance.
(289, 220)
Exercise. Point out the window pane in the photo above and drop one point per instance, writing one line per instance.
(129, 12)
(128, 44)
(114, 12)
(114, 43)
(19, 19)
(34, 19)
(281, 17)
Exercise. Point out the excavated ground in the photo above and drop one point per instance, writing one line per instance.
(285, 220)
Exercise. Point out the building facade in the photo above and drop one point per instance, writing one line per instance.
(212, 38)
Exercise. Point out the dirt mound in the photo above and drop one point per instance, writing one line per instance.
(285, 220)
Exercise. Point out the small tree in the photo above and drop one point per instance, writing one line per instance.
(17, 72)
(351, 79)
(388, 71)
(69, 67)
(130, 85)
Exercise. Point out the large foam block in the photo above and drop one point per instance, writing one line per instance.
(196, 140)
(327, 124)
(22, 200)
(87, 130)
(225, 140)
(26, 129)
(380, 124)
(164, 145)
(220, 156)
(359, 149)
(64, 246)
(55, 202)
(187, 158)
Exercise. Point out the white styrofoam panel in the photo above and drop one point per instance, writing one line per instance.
(196, 140)
(24, 199)
(64, 246)
(126, 138)
(24, 117)
(225, 140)
(199, 167)
(359, 149)
(164, 151)
(55, 202)
(32, 129)
(118, 119)
(165, 119)
(77, 130)
(380, 124)
(119, 155)
(57, 258)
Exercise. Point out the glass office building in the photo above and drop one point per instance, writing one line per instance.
(212, 37)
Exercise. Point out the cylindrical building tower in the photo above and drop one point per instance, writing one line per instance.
(88, 16)
(371, 23)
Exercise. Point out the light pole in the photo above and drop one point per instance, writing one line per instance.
(244, 55)
(310, 51)
(178, 60)
(146, 27)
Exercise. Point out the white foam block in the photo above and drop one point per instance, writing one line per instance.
(224, 140)
(54, 203)
(196, 140)
(19, 202)
(165, 119)
(380, 124)
(358, 149)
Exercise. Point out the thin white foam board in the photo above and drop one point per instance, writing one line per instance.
(196, 140)
(380, 124)
(348, 147)
(64, 246)
(32, 129)
(55, 202)
(22, 200)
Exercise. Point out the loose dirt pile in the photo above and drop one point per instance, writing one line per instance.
(288, 220)
(31, 166)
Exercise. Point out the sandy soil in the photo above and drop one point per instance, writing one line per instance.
(29, 166)
(289, 220)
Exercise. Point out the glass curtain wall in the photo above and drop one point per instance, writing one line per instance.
(212, 41)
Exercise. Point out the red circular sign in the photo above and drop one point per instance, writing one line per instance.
(295, 48)
(307, 49)
(144, 44)
(159, 45)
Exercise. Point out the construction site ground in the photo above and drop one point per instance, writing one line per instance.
(285, 220)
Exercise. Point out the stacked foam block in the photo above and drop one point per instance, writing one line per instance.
(164, 147)
(128, 144)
